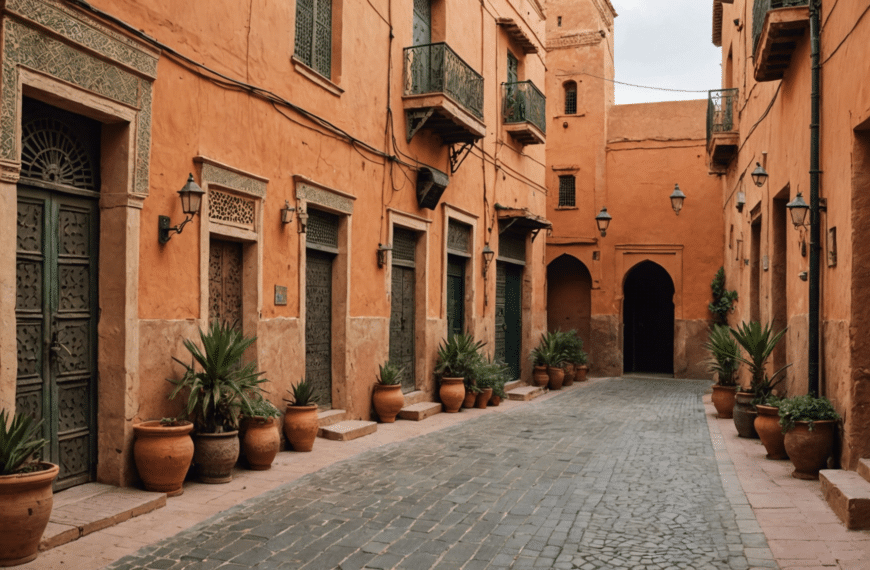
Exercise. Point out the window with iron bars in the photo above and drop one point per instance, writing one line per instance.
(314, 35)
(570, 98)
(567, 193)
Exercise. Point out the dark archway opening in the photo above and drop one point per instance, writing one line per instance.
(648, 325)
(569, 296)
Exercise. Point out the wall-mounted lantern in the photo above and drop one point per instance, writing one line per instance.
(488, 254)
(287, 213)
(191, 200)
(603, 221)
(677, 198)
(383, 249)
(798, 210)
(741, 200)
(759, 175)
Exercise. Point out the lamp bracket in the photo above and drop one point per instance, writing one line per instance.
(458, 155)
(165, 230)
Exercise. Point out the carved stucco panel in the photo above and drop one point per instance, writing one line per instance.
(324, 198)
(233, 180)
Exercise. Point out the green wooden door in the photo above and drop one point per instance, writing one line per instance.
(508, 314)
(455, 295)
(402, 309)
(56, 320)
(318, 323)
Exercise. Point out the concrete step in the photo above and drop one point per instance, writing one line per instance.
(329, 417)
(347, 430)
(420, 411)
(848, 495)
(525, 393)
(508, 386)
(87, 508)
(415, 397)
(864, 469)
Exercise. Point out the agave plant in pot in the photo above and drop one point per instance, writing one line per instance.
(457, 357)
(554, 355)
(724, 363)
(387, 398)
(810, 427)
(757, 342)
(261, 440)
(217, 387)
(300, 417)
(25, 489)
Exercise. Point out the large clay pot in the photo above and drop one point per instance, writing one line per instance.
(26, 500)
(570, 373)
(300, 426)
(556, 376)
(261, 442)
(580, 373)
(495, 400)
(483, 398)
(469, 399)
(388, 401)
(809, 450)
(744, 415)
(215, 455)
(540, 376)
(452, 392)
(723, 400)
(770, 432)
(163, 454)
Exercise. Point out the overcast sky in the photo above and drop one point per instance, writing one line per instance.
(665, 43)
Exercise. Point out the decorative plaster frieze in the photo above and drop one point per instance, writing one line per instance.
(323, 195)
(9, 171)
(591, 37)
(233, 179)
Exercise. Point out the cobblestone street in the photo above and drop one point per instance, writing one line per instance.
(619, 475)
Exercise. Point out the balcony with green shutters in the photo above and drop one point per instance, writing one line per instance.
(777, 29)
(443, 94)
(723, 137)
(524, 112)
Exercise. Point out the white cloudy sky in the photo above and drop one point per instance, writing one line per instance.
(665, 43)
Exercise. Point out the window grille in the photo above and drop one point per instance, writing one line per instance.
(314, 35)
(322, 230)
(458, 237)
(404, 245)
(570, 98)
(512, 247)
(567, 192)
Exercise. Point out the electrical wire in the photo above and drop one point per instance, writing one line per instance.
(635, 85)
(857, 21)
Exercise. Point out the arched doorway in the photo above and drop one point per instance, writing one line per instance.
(648, 320)
(569, 296)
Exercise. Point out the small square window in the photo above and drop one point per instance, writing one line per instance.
(567, 194)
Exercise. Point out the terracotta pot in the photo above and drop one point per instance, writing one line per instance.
(809, 450)
(580, 373)
(570, 374)
(540, 376)
(723, 400)
(469, 399)
(483, 398)
(495, 400)
(555, 376)
(388, 401)
(215, 455)
(452, 392)
(744, 415)
(163, 455)
(261, 442)
(770, 432)
(300, 426)
(27, 501)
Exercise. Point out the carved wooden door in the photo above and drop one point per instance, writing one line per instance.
(402, 313)
(318, 323)
(455, 295)
(225, 282)
(56, 317)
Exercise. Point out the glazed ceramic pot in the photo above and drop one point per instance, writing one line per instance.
(723, 400)
(388, 401)
(556, 376)
(744, 415)
(809, 450)
(300, 426)
(261, 442)
(770, 432)
(163, 454)
(482, 399)
(215, 455)
(452, 392)
(26, 500)
(540, 376)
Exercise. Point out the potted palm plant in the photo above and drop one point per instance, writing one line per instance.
(261, 440)
(457, 357)
(300, 417)
(217, 387)
(810, 426)
(553, 355)
(387, 397)
(724, 363)
(25, 489)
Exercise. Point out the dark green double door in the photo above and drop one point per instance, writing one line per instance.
(56, 319)
(508, 314)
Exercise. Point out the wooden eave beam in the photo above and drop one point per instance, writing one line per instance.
(517, 34)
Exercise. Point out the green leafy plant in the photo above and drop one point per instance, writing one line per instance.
(723, 299)
(303, 394)
(18, 443)
(491, 373)
(389, 374)
(571, 345)
(724, 351)
(220, 392)
(458, 356)
(260, 407)
(549, 351)
(806, 408)
(758, 342)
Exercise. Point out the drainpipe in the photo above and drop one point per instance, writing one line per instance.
(815, 231)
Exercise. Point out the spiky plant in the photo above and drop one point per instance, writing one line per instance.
(389, 374)
(724, 352)
(303, 394)
(18, 442)
(758, 342)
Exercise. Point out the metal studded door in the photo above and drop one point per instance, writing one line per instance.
(508, 315)
(322, 247)
(402, 319)
(56, 317)
(455, 295)
(225, 282)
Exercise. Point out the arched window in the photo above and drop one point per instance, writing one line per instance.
(570, 98)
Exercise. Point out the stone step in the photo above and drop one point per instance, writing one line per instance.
(848, 495)
(87, 508)
(347, 430)
(329, 417)
(415, 397)
(525, 393)
(420, 411)
(864, 469)
(513, 384)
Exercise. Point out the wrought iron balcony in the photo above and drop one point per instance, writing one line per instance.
(443, 93)
(777, 25)
(524, 112)
(722, 135)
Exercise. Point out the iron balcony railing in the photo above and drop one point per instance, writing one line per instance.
(721, 105)
(435, 68)
(523, 102)
(762, 7)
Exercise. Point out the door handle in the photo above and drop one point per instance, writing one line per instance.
(56, 347)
